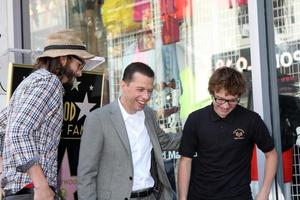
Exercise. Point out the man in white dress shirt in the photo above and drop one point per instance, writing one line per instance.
(121, 147)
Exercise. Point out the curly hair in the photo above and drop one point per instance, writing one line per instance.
(229, 79)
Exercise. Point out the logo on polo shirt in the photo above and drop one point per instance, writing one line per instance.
(238, 134)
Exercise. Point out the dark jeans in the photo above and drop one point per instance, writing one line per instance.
(25, 194)
(20, 197)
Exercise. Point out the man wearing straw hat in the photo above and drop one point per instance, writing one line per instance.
(30, 126)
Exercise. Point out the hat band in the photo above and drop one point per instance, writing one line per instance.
(75, 47)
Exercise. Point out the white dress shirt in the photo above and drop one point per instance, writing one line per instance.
(141, 147)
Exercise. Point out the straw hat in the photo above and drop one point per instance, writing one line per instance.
(63, 43)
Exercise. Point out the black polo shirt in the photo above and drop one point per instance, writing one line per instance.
(221, 170)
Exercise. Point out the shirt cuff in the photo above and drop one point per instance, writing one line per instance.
(24, 168)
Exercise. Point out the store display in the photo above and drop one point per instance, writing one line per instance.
(145, 41)
(237, 2)
(118, 17)
(139, 9)
(183, 9)
(170, 30)
(167, 7)
(181, 46)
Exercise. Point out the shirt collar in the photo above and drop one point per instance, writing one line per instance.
(229, 118)
(126, 115)
(123, 111)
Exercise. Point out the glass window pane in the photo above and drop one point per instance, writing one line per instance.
(45, 17)
(287, 35)
(183, 41)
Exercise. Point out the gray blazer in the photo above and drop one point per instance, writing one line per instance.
(105, 169)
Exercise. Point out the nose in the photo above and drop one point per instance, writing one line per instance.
(225, 105)
(147, 95)
(78, 73)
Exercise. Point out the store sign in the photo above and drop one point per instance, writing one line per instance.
(287, 59)
(241, 59)
(287, 55)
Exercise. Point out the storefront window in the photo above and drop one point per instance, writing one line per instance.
(45, 17)
(183, 41)
(286, 14)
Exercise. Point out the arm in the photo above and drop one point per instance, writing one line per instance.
(184, 174)
(168, 141)
(1, 170)
(1, 167)
(3, 122)
(41, 187)
(42, 97)
(270, 170)
(89, 158)
(27, 112)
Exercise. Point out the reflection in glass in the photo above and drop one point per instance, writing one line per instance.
(182, 40)
(286, 31)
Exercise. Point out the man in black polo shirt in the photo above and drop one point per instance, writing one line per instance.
(222, 135)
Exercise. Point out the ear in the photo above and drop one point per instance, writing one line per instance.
(63, 60)
(123, 84)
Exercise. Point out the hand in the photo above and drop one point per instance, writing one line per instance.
(44, 193)
(262, 196)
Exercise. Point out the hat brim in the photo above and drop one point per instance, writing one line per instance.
(90, 64)
(65, 52)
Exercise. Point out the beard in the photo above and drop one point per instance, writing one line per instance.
(69, 74)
